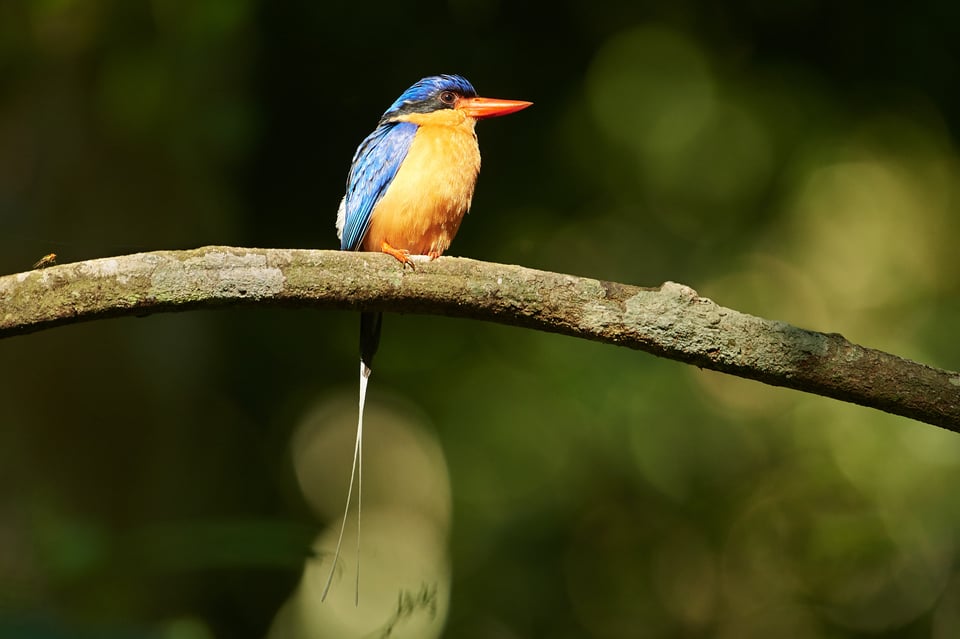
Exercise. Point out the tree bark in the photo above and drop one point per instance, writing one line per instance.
(671, 321)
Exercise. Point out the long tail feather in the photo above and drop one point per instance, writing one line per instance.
(370, 325)
(356, 472)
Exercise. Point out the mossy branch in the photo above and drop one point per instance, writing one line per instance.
(670, 321)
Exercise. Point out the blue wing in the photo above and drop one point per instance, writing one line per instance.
(375, 164)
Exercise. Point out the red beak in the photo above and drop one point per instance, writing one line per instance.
(480, 108)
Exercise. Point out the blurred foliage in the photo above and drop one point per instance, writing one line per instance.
(182, 477)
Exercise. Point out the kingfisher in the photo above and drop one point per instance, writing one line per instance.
(409, 185)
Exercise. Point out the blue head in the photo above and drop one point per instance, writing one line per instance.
(431, 94)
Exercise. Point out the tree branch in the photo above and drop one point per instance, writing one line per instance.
(670, 321)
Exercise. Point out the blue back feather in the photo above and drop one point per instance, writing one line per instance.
(375, 164)
(380, 155)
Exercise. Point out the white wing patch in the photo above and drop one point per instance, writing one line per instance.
(341, 217)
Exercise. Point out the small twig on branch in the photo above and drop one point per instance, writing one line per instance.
(670, 321)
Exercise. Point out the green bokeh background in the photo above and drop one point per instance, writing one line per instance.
(180, 476)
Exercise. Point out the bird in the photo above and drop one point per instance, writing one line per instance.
(410, 183)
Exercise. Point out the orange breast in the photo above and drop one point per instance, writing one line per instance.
(427, 199)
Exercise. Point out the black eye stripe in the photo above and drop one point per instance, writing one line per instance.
(445, 99)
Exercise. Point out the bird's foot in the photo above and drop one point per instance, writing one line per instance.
(401, 255)
(434, 254)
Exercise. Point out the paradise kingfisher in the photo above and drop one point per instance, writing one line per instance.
(409, 186)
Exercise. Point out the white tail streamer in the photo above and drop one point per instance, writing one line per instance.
(356, 471)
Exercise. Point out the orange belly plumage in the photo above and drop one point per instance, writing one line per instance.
(422, 208)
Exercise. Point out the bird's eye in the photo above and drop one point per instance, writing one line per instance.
(448, 97)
